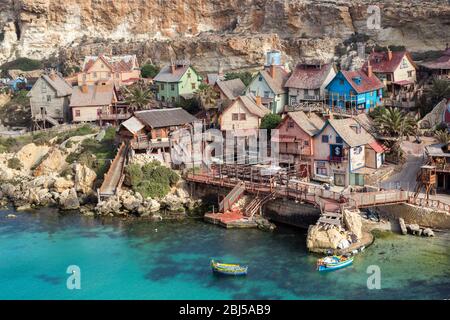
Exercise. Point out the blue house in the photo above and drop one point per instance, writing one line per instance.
(360, 90)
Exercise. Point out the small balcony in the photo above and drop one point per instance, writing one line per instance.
(114, 116)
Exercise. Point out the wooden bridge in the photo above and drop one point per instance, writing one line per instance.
(284, 185)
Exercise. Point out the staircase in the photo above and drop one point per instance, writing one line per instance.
(254, 206)
(232, 197)
(54, 122)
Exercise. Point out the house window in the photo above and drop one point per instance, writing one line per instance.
(173, 99)
(321, 171)
(266, 94)
(242, 116)
(117, 75)
(324, 139)
(290, 124)
(84, 77)
(193, 85)
(95, 74)
(108, 75)
(306, 143)
(389, 77)
(189, 74)
(260, 78)
(43, 88)
(172, 87)
(99, 112)
(341, 82)
(404, 64)
(235, 116)
(162, 86)
(49, 98)
(102, 66)
(338, 139)
(316, 92)
(410, 74)
(77, 113)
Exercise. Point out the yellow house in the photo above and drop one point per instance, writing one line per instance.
(120, 70)
(243, 114)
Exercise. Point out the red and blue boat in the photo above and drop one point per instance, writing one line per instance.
(333, 263)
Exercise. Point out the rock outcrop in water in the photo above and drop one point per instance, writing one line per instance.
(237, 31)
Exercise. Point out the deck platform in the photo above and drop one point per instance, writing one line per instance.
(230, 219)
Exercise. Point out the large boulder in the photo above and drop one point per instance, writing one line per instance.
(54, 162)
(46, 182)
(68, 200)
(111, 206)
(320, 239)
(402, 224)
(174, 203)
(84, 178)
(8, 189)
(31, 155)
(353, 222)
(428, 232)
(6, 173)
(62, 184)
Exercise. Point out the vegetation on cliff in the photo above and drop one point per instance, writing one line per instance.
(151, 180)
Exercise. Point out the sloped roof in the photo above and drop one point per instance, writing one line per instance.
(96, 95)
(308, 76)
(231, 88)
(212, 78)
(367, 83)
(380, 61)
(133, 125)
(62, 87)
(277, 83)
(366, 122)
(159, 118)
(443, 62)
(343, 128)
(311, 124)
(120, 63)
(166, 75)
(252, 107)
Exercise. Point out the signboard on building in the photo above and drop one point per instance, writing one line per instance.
(357, 158)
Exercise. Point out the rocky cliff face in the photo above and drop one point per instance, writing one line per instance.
(238, 31)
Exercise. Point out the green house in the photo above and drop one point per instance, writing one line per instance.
(175, 81)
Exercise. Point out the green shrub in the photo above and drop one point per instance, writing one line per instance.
(69, 144)
(246, 77)
(151, 180)
(23, 64)
(149, 70)
(14, 163)
(270, 121)
(67, 171)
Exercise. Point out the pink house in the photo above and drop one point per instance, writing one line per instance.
(295, 137)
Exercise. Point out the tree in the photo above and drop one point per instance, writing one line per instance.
(207, 96)
(149, 70)
(270, 121)
(138, 98)
(439, 90)
(443, 136)
(392, 122)
(246, 77)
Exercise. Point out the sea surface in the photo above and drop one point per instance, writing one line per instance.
(135, 259)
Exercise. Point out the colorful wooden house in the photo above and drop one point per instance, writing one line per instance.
(355, 90)
(295, 138)
(269, 83)
(344, 152)
(308, 82)
(120, 70)
(176, 81)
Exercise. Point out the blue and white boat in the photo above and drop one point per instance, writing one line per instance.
(333, 263)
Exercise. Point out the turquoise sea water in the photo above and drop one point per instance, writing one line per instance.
(170, 260)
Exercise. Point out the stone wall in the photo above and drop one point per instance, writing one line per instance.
(414, 214)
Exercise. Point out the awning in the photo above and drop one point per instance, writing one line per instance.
(283, 138)
(378, 147)
(403, 82)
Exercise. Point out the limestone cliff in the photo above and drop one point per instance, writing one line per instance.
(239, 31)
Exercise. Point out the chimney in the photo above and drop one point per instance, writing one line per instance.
(369, 69)
(172, 66)
(272, 69)
(220, 69)
(389, 54)
(84, 88)
(258, 100)
(52, 75)
(327, 116)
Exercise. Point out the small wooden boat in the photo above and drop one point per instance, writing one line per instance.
(333, 263)
(229, 269)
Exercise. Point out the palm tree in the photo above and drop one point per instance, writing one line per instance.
(392, 122)
(442, 136)
(207, 96)
(439, 90)
(138, 98)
